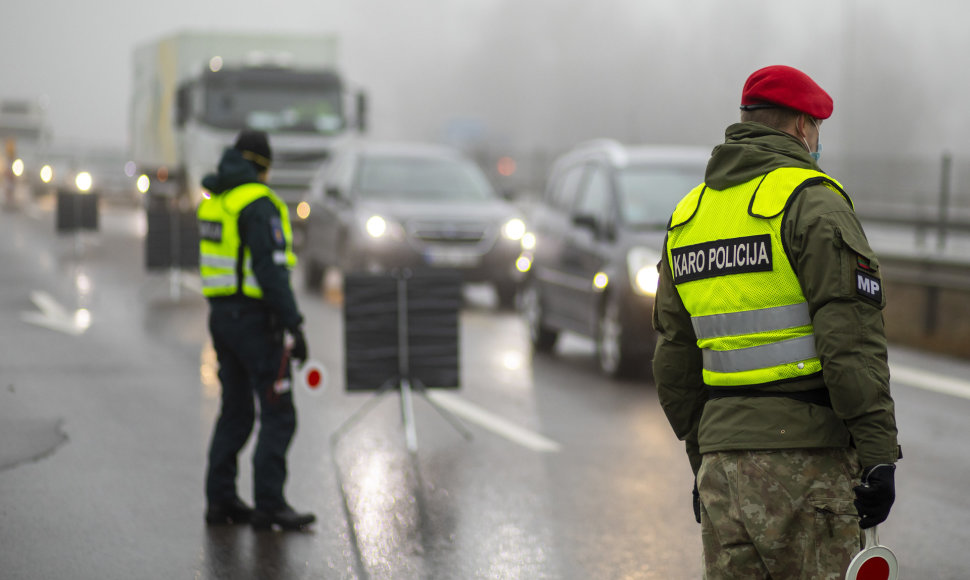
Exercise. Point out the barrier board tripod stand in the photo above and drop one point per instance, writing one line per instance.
(404, 379)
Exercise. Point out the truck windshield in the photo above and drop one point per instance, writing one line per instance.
(421, 179)
(648, 194)
(295, 102)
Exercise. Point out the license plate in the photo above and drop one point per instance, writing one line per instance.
(451, 257)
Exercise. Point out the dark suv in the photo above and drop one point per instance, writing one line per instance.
(598, 236)
(379, 206)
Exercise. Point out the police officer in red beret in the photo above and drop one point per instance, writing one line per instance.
(771, 363)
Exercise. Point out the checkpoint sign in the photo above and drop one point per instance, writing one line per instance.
(874, 562)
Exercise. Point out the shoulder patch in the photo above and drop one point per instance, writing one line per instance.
(276, 225)
(863, 262)
(721, 258)
(868, 286)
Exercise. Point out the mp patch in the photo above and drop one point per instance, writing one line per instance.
(276, 225)
(868, 286)
(721, 258)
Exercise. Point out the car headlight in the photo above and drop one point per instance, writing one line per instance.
(528, 241)
(641, 263)
(83, 181)
(378, 228)
(143, 183)
(513, 229)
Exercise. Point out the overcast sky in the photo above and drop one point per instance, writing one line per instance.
(539, 73)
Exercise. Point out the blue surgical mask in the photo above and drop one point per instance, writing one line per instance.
(817, 154)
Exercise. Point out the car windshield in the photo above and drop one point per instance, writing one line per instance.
(421, 179)
(648, 194)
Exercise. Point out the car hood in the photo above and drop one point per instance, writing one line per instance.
(403, 211)
(648, 238)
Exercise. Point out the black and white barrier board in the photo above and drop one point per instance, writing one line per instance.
(401, 333)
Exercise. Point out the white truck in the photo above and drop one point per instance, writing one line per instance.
(194, 91)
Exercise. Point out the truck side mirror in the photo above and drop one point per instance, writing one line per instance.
(183, 106)
(586, 221)
(361, 111)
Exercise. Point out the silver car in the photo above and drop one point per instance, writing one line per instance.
(599, 231)
(380, 206)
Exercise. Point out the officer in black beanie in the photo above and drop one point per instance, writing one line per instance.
(246, 255)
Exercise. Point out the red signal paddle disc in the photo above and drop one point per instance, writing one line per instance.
(874, 562)
(313, 376)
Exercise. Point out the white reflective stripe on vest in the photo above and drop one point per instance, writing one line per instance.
(751, 321)
(760, 357)
(226, 281)
(217, 261)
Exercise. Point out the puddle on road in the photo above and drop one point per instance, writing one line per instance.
(24, 440)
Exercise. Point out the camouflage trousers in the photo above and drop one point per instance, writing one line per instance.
(785, 514)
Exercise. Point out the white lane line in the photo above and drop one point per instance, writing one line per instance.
(929, 381)
(494, 423)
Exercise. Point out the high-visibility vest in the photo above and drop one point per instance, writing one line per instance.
(733, 275)
(226, 266)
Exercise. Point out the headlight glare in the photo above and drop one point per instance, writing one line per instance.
(376, 226)
(514, 229)
(642, 268)
(84, 181)
(528, 241)
(143, 183)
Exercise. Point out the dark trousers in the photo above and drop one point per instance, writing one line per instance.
(249, 348)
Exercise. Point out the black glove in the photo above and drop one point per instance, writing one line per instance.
(697, 502)
(298, 351)
(876, 494)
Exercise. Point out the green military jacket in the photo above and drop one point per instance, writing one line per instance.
(827, 247)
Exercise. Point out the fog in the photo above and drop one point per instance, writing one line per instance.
(541, 75)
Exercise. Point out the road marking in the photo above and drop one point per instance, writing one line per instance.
(929, 381)
(494, 423)
(52, 315)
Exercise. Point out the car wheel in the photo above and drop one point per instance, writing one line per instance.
(543, 338)
(614, 353)
(506, 290)
(346, 260)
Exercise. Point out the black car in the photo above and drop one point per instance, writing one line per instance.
(598, 233)
(380, 206)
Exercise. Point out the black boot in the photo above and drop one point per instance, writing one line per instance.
(228, 513)
(285, 518)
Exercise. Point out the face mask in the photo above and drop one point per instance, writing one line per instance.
(817, 154)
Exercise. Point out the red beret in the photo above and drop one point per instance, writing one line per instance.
(784, 86)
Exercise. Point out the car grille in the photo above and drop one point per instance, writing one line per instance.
(467, 234)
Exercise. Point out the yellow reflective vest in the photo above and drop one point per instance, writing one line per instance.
(225, 264)
(734, 277)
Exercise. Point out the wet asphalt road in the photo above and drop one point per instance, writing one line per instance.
(568, 476)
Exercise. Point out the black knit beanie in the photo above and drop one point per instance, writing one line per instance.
(254, 146)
